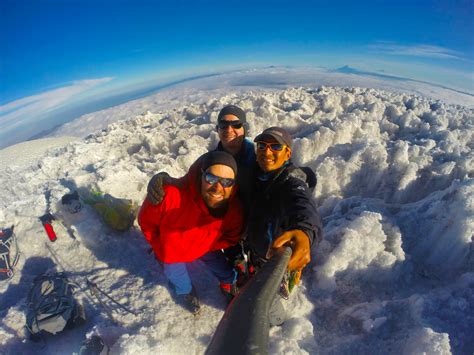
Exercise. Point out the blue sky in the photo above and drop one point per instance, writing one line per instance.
(51, 48)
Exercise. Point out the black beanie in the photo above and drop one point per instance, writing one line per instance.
(232, 110)
(218, 157)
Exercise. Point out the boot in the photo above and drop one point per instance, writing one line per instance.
(189, 301)
(229, 291)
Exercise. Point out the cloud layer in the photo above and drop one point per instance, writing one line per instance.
(422, 50)
(24, 111)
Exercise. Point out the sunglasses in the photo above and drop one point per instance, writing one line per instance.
(211, 179)
(233, 124)
(274, 147)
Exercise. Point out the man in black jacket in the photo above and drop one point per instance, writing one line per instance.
(283, 211)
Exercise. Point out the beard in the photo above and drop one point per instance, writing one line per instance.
(215, 202)
(232, 141)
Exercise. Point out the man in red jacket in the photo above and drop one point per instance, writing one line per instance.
(196, 221)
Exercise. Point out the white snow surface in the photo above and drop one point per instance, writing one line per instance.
(28, 152)
(394, 274)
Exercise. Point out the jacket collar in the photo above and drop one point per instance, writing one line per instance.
(246, 144)
(268, 180)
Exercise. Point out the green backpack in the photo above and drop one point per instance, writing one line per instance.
(117, 213)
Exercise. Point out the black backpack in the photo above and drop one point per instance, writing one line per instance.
(51, 305)
(9, 253)
(306, 174)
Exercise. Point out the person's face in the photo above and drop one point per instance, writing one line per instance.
(269, 159)
(213, 192)
(231, 136)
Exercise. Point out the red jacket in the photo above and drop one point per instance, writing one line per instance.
(181, 229)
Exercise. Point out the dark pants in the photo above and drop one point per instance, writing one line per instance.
(178, 275)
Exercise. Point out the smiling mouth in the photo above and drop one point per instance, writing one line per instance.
(215, 195)
(231, 136)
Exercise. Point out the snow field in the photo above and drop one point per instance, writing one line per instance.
(394, 273)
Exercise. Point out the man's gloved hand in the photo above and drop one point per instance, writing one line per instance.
(155, 191)
(299, 242)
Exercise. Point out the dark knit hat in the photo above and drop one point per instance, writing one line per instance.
(232, 110)
(278, 133)
(218, 157)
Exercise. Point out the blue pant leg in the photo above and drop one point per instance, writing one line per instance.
(178, 275)
(217, 263)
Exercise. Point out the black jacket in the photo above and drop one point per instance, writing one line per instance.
(281, 203)
(245, 172)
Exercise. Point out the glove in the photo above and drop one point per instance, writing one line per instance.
(155, 191)
(299, 242)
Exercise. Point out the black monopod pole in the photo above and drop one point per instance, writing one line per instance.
(245, 326)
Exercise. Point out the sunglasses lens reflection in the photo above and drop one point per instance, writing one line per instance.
(276, 147)
(211, 179)
(233, 124)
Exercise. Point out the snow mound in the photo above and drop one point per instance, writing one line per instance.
(395, 189)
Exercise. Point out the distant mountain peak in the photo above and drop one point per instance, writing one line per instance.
(346, 69)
